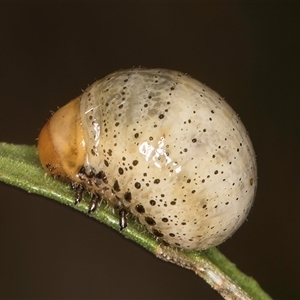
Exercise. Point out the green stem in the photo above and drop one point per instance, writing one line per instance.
(19, 166)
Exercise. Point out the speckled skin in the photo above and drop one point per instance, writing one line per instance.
(174, 153)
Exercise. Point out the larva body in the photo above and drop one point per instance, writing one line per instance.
(161, 145)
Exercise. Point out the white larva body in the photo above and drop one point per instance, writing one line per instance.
(174, 153)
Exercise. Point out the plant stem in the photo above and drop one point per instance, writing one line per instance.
(19, 166)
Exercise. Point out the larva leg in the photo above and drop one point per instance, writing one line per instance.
(94, 203)
(122, 218)
(79, 189)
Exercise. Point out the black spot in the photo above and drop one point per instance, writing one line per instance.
(93, 152)
(194, 140)
(127, 196)
(116, 186)
(135, 162)
(171, 234)
(140, 209)
(150, 221)
(106, 162)
(117, 124)
(137, 185)
(156, 181)
(136, 135)
(152, 202)
(109, 152)
(157, 233)
(216, 172)
(251, 181)
(101, 175)
(161, 116)
(121, 171)
(165, 220)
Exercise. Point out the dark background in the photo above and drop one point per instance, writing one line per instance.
(248, 52)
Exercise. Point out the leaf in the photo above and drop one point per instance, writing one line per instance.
(20, 167)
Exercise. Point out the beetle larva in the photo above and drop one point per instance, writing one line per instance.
(161, 145)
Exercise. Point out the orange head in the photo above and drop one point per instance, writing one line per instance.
(61, 145)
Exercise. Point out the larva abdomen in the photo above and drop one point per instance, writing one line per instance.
(172, 151)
